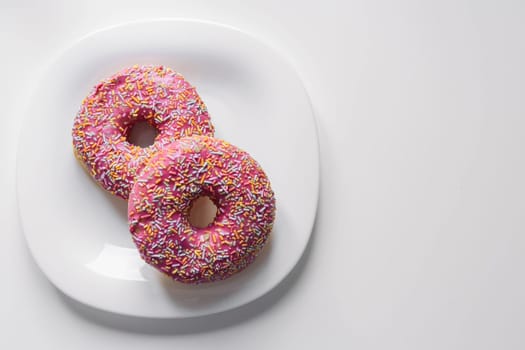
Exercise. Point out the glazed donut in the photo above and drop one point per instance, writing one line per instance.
(162, 197)
(156, 94)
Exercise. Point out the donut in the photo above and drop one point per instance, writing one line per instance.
(155, 94)
(162, 196)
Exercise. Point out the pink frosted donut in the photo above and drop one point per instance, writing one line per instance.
(156, 94)
(162, 196)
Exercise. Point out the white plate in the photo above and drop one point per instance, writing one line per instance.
(78, 233)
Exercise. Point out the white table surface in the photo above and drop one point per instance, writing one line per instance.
(419, 241)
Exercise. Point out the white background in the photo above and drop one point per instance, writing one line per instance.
(419, 241)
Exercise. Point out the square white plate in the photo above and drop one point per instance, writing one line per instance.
(78, 233)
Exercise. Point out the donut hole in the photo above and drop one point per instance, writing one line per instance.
(142, 134)
(202, 212)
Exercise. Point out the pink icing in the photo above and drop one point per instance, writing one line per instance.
(161, 199)
(155, 94)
